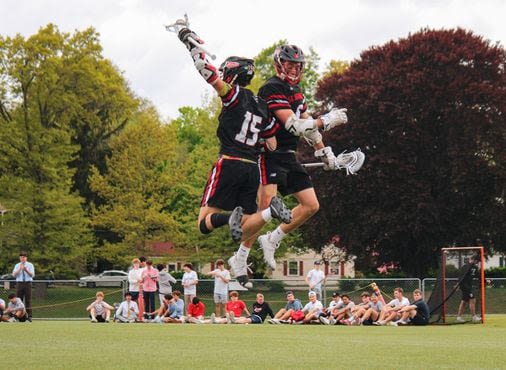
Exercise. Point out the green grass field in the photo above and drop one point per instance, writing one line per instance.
(82, 345)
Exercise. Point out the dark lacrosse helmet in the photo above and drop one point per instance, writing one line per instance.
(289, 53)
(237, 70)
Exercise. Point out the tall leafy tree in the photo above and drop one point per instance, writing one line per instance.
(44, 215)
(429, 111)
(136, 188)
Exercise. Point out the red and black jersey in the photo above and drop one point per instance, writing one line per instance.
(243, 119)
(279, 94)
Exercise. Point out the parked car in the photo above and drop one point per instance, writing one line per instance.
(7, 277)
(106, 278)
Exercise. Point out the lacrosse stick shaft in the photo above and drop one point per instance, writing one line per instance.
(195, 43)
(313, 165)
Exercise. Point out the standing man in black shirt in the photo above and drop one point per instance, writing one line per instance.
(471, 273)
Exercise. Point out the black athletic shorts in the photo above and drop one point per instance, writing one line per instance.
(233, 182)
(284, 170)
(467, 295)
(99, 318)
(419, 320)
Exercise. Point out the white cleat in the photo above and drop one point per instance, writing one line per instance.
(240, 271)
(460, 319)
(268, 248)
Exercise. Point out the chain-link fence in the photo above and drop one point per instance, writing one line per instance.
(65, 299)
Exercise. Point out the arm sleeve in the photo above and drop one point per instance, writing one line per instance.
(172, 279)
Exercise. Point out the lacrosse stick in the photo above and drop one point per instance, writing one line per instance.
(184, 23)
(313, 165)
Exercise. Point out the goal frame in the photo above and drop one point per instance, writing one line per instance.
(481, 249)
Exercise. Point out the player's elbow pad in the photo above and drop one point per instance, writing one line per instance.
(299, 126)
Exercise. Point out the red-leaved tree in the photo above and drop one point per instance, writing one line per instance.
(429, 111)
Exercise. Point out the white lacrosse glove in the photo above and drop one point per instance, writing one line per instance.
(335, 117)
(313, 137)
(326, 155)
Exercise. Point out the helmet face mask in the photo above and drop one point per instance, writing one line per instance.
(237, 70)
(289, 63)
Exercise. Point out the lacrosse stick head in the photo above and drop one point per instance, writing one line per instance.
(178, 25)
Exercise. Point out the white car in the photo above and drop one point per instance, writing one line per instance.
(106, 278)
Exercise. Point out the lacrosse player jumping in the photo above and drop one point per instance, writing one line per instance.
(234, 179)
(280, 169)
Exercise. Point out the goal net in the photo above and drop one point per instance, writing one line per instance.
(458, 294)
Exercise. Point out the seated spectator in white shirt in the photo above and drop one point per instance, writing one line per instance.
(128, 310)
(312, 309)
(100, 311)
(15, 310)
(390, 311)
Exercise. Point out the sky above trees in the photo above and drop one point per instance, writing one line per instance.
(158, 67)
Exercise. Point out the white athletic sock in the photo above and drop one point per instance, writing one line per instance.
(243, 252)
(266, 214)
(277, 235)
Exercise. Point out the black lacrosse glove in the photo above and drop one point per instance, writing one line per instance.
(184, 36)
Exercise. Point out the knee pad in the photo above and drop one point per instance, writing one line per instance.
(203, 227)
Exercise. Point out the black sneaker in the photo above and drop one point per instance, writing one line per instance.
(234, 222)
(280, 211)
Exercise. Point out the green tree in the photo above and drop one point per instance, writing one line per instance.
(45, 216)
(136, 189)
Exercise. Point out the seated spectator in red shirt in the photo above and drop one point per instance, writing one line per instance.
(234, 308)
(196, 312)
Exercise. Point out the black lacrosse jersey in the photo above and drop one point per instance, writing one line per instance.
(244, 118)
(472, 274)
(279, 94)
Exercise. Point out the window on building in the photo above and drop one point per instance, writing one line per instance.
(293, 268)
(172, 267)
(334, 268)
(501, 262)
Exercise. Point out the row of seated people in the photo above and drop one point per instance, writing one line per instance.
(370, 311)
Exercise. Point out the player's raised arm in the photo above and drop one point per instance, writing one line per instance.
(201, 62)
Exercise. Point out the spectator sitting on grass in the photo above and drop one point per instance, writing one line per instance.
(417, 313)
(312, 309)
(371, 315)
(15, 310)
(359, 310)
(292, 305)
(164, 308)
(175, 315)
(196, 312)
(325, 317)
(390, 312)
(127, 310)
(260, 311)
(100, 311)
(234, 309)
